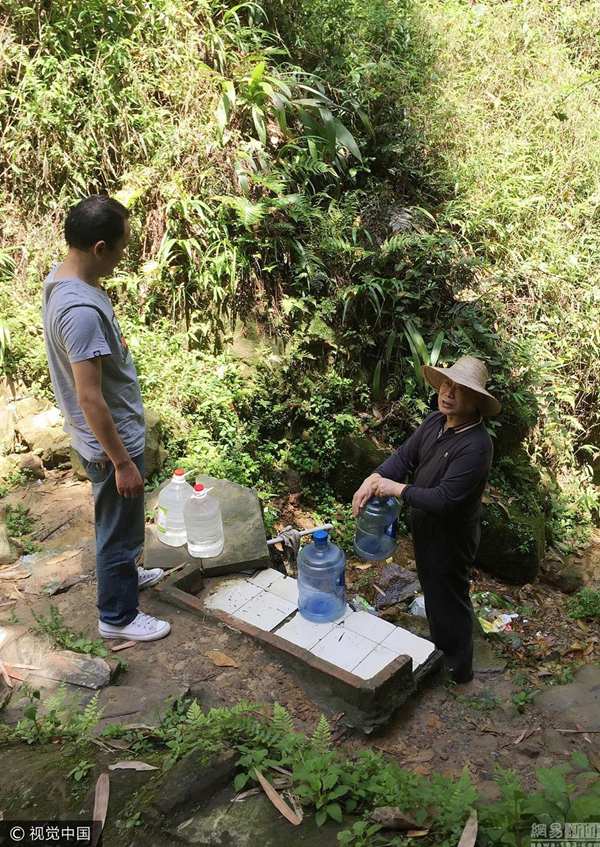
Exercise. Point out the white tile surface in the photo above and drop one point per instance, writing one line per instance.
(368, 625)
(286, 588)
(343, 648)
(231, 595)
(265, 611)
(266, 578)
(304, 633)
(404, 642)
(376, 661)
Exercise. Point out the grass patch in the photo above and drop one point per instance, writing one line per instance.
(54, 626)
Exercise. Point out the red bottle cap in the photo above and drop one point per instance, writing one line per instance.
(178, 472)
(198, 487)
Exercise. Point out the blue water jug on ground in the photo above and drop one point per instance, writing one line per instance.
(321, 588)
(376, 528)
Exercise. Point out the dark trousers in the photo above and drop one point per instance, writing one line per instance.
(120, 523)
(444, 555)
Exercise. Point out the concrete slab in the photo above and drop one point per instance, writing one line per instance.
(372, 627)
(405, 643)
(245, 539)
(374, 662)
(340, 667)
(265, 611)
(343, 648)
(304, 633)
(232, 595)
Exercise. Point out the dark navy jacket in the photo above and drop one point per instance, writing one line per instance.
(447, 472)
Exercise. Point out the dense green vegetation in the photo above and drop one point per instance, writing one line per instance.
(328, 783)
(344, 180)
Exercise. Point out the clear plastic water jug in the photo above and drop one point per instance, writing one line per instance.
(321, 588)
(170, 524)
(203, 524)
(376, 527)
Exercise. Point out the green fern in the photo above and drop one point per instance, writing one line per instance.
(321, 739)
(194, 714)
(282, 722)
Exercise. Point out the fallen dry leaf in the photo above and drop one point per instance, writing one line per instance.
(433, 722)
(132, 766)
(277, 800)
(101, 797)
(469, 836)
(221, 660)
(417, 833)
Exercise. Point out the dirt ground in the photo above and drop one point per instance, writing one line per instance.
(443, 728)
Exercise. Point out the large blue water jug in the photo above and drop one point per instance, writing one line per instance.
(321, 571)
(375, 536)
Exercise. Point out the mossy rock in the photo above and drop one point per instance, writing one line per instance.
(512, 543)
(360, 457)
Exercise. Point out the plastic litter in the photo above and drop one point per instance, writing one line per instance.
(417, 607)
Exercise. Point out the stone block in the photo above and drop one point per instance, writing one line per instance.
(245, 539)
(51, 666)
(359, 665)
(512, 545)
(44, 434)
(192, 782)
(576, 704)
(131, 704)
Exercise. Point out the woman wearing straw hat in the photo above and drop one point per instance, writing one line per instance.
(449, 458)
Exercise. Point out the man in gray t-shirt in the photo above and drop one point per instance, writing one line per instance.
(96, 387)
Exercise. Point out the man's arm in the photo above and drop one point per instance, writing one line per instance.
(397, 467)
(88, 384)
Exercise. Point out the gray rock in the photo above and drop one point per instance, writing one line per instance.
(32, 464)
(43, 433)
(191, 781)
(245, 539)
(577, 703)
(52, 666)
(512, 543)
(566, 577)
(25, 407)
(485, 660)
(252, 822)
(7, 428)
(130, 704)
(8, 551)
(360, 457)
(154, 452)
(398, 584)
(76, 465)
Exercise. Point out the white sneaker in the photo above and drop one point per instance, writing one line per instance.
(149, 577)
(142, 628)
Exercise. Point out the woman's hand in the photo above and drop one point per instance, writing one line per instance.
(388, 488)
(364, 493)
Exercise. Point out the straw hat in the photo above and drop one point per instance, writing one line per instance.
(470, 372)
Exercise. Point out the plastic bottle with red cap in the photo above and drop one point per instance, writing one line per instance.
(170, 523)
(203, 524)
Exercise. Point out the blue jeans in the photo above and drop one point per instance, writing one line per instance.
(120, 526)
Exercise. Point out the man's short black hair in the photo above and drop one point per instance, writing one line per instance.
(97, 218)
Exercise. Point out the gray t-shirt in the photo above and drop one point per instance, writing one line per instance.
(80, 324)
